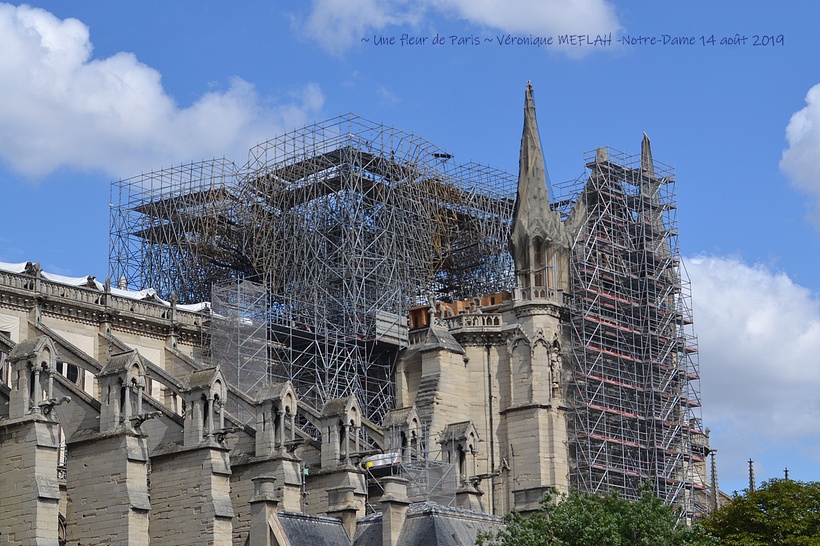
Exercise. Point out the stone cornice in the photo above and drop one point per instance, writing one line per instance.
(533, 406)
(543, 307)
(93, 307)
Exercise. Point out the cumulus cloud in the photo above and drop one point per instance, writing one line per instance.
(801, 160)
(61, 107)
(336, 25)
(545, 17)
(759, 337)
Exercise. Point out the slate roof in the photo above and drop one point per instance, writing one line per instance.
(119, 363)
(336, 407)
(456, 431)
(306, 530)
(429, 524)
(397, 417)
(200, 379)
(439, 337)
(28, 348)
(426, 524)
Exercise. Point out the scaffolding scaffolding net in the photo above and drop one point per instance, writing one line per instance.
(635, 387)
(239, 337)
(346, 223)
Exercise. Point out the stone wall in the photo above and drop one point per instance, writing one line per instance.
(29, 502)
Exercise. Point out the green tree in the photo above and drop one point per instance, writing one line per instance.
(592, 520)
(779, 512)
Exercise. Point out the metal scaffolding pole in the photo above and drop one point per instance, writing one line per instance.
(635, 388)
(347, 223)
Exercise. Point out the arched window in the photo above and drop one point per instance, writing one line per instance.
(539, 262)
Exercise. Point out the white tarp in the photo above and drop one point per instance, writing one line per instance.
(90, 282)
(13, 268)
(11, 324)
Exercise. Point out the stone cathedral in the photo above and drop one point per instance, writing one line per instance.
(117, 426)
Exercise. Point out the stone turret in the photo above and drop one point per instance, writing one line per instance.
(29, 501)
(535, 421)
(459, 446)
(341, 421)
(538, 237)
(204, 395)
(176, 492)
(275, 413)
(33, 363)
(122, 381)
(402, 431)
(102, 510)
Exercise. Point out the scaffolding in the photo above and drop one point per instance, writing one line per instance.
(635, 390)
(175, 230)
(239, 338)
(346, 223)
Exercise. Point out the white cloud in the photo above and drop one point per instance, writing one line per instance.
(543, 18)
(801, 160)
(337, 25)
(759, 338)
(61, 107)
(386, 96)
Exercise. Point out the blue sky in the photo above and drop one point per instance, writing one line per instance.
(94, 91)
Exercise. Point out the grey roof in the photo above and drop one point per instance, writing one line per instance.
(200, 379)
(369, 530)
(457, 431)
(397, 417)
(306, 530)
(337, 407)
(272, 391)
(439, 337)
(119, 363)
(429, 524)
(28, 348)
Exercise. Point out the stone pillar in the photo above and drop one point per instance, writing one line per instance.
(402, 430)
(285, 469)
(190, 496)
(394, 503)
(342, 504)
(33, 362)
(29, 445)
(30, 496)
(459, 444)
(203, 393)
(275, 412)
(331, 449)
(264, 522)
(107, 484)
(190, 483)
(468, 497)
(339, 419)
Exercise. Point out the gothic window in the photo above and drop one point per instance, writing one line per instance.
(551, 269)
(5, 368)
(71, 372)
(538, 261)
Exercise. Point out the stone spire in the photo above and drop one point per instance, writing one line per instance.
(537, 231)
(650, 183)
(647, 165)
(532, 203)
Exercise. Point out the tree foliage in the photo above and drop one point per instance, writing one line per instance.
(783, 512)
(592, 520)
